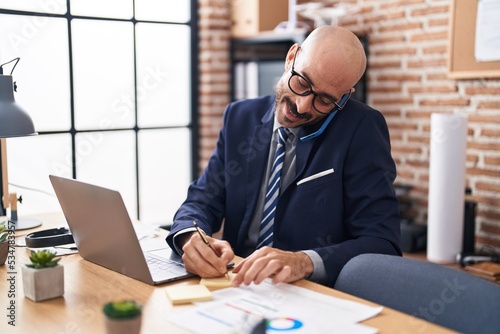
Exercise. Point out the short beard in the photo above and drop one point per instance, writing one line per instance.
(281, 96)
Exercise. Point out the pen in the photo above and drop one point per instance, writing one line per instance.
(202, 235)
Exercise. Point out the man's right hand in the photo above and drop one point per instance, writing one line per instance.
(201, 260)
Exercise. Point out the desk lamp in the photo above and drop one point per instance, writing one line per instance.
(14, 122)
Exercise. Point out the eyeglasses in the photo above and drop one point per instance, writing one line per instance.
(322, 103)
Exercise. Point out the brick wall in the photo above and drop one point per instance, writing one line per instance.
(407, 81)
(214, 37)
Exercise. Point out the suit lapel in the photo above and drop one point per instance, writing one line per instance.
(257, 163)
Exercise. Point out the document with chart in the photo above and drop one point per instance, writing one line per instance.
(283, 307)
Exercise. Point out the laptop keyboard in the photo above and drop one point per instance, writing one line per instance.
(160, 267)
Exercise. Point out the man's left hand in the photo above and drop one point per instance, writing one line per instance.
(265, 262)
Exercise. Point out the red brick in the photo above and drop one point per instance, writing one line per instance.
(445, 102)
(488, 186)
(488, 214)
(398, 4)
(482, 90)
(401, 27)
(386, 40)
(490, 133)
(399, 77)
(483, 172)
(377, 88)
(401, 100)
(488, 105)
(429, 36)
(437, 76)
(418, 115)
(395, 51)
(430, 10)
(384, 65)
(427, 63)
(385, 17)
(438, 22)
(432, 89)
(439, 49)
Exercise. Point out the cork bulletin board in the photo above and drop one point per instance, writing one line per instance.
(461, 60)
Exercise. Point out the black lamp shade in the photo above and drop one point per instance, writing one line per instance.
(14, 121)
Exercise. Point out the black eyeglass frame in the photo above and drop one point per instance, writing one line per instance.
(343, 100)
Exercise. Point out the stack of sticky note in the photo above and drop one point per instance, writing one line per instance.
(218, 282)
(184, 294)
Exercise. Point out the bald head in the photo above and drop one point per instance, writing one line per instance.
(338, 52)
(318, 74)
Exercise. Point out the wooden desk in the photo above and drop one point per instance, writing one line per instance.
(89, 286)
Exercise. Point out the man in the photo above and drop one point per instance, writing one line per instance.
(336, 199)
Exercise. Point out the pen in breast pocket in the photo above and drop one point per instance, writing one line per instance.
(202, 235)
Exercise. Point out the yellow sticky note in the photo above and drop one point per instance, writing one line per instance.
(218, 282)
(183, 294)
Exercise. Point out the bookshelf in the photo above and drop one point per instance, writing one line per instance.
(258, 62)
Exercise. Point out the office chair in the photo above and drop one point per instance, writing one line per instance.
(445, 296)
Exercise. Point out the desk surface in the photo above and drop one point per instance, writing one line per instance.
(89, 286)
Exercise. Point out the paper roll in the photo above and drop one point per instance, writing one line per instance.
(446, 187)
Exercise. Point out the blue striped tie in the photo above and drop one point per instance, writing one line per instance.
(272, 194)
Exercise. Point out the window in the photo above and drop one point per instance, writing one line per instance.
(109, 85)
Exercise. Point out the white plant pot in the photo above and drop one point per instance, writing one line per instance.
(123, 326)
(43, 284)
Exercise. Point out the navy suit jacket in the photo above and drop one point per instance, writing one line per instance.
(351, 211)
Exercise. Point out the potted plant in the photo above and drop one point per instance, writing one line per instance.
(43, 278)
(123, 316)
(4, 244)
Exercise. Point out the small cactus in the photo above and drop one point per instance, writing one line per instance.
(43, 259)
(122, 309)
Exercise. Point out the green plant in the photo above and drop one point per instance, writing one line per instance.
(3, 233)
(43, 259)
(122, 309)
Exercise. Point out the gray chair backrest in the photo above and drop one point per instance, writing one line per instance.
(446, 296)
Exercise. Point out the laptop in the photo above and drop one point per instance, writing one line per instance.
(104, 233)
